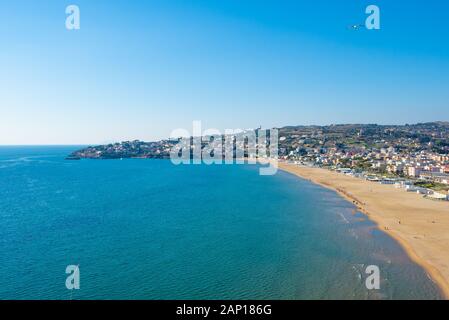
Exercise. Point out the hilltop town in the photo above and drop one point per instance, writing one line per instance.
(415, 155)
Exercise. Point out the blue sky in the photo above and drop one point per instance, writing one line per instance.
(140, 69)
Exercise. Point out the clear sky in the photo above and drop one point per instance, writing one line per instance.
(140, 69)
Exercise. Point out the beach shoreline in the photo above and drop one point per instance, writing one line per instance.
(419, 225)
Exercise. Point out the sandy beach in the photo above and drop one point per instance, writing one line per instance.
(420, 225)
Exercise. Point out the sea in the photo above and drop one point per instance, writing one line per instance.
(149, 229)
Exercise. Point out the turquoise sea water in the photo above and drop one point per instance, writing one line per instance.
(146, 229)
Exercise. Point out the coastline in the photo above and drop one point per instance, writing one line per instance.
(419, 225)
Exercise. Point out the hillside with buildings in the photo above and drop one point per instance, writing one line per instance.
(419, 152)
(415, 157)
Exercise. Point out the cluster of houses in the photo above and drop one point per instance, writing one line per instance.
(385, 166)
(127, 149)
(424, 165)
(419, 165)
(400, 183)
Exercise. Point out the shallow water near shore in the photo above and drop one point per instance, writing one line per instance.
(146, 229)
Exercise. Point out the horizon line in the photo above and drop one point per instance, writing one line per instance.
(273, 127)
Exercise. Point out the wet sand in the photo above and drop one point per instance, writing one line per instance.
(420, 225)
